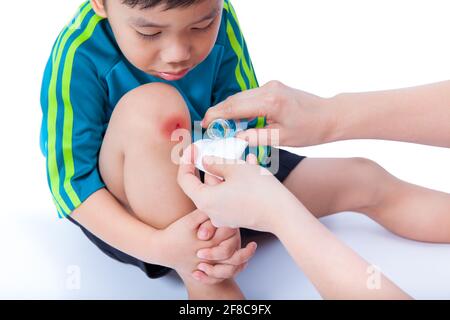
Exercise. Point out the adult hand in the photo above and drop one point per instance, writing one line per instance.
(300, 118)
(418, 115)
(244, 199)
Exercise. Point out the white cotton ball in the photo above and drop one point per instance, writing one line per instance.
(230, 149)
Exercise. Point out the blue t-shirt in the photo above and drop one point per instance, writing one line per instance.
(87, 75)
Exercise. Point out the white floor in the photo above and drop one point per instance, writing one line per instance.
(47, 253)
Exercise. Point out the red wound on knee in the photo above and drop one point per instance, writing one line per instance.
(172, 124)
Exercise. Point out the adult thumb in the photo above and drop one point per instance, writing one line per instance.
(219, 167)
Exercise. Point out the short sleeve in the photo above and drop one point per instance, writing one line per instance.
(73, 102)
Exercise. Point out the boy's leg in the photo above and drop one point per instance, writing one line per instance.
(135, 163)
(327, 186)
(135, 159)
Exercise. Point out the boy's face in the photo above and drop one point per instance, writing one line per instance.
(165, 43)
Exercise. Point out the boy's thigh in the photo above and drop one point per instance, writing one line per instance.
(328, 186)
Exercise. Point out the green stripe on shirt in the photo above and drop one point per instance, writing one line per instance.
(68, 109)
(75, 24)
(248, 70)
(52, 164)
(250, 74)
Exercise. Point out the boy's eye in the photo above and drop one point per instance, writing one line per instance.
(149, 36)
(204, 28)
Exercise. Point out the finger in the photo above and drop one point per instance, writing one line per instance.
(269, 136)
(246, 104)
(190, 154)
(223, 251)
(224, 237)
(220, 167)
(211, 180)
(206, 231)
(204, 278)
(241, 268)
(242, 256)
(218, 271)
(196, 218)
(218, 224)
(187, 178)
(225, 233)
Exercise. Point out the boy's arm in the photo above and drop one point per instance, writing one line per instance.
(418, 115)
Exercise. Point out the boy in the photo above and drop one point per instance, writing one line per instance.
(121, 78)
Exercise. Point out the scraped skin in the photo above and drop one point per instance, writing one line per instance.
(170, 126)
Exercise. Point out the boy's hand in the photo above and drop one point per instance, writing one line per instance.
(180, 244)
(225, 260)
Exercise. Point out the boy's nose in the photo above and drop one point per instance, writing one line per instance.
(176, 54)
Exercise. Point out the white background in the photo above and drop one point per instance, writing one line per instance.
(324, 47)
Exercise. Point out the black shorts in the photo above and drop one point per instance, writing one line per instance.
(287, 163)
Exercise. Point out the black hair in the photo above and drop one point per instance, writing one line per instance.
(170, 4)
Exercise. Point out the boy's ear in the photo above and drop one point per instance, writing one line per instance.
(99, 7)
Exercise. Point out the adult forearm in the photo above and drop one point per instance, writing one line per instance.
(335, 270)
(418, 115)
(106, 218)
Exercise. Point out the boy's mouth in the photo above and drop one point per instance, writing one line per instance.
(173, 76)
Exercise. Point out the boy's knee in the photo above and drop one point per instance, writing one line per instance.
(371, 179)
(155, 108)
(367, 170)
